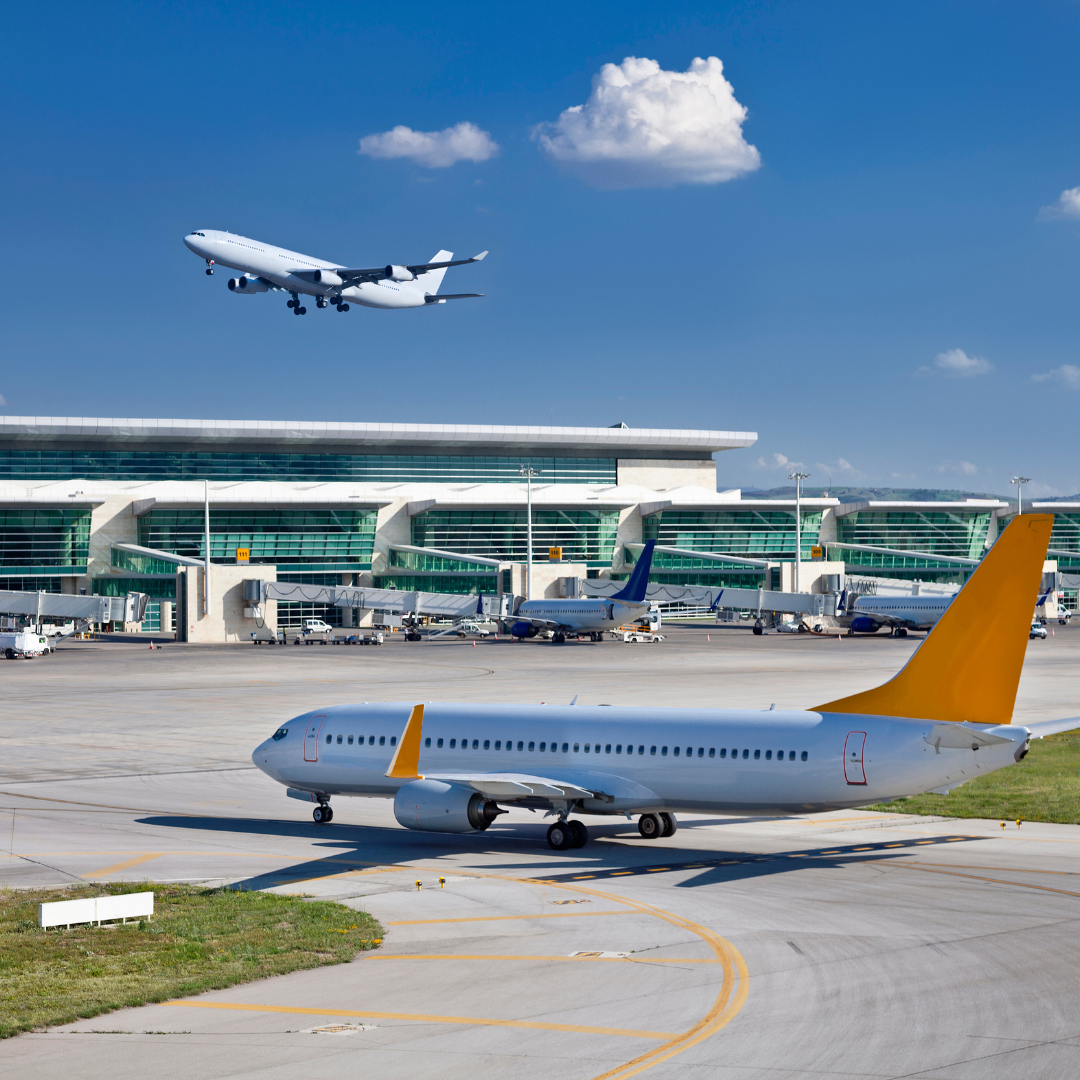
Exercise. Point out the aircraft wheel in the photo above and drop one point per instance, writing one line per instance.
(209, 272)
(579, 833)
(671, 826)
(288, 303)
(650, 826)
(901, 631)
(758, 631)
(559, 836)
(344, 307)
(558, 638)
(302, 311)
(322, 814)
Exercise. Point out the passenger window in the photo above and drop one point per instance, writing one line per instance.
(555, 747)
(532, 746)
(329, 738)
(791, 755)
(663, 751)
(438, 744)
(498, 744)
(677, 750)
(607, 749)
(371, 740)
(427, 741)
(723, 751)
(339, 740)
(543, 746)
(476, 744)
(757, 755)
(641, 749)
(487, 744)
(393, 740)
(712, 751)
(618, 749)
(350, 740)
(566, 746)
(701, 751)
(805, 755)
(521, 745)
(453, 744)
(586, 748)
(652, 750)
(768, 755)
(745, 754)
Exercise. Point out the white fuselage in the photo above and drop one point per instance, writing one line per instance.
(914, 612)
(582, 616)
(275, 265)
(638, 759)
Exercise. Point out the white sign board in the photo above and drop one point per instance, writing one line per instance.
(96, 909)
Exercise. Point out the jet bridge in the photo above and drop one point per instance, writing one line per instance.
(789, 603)
(66, 608)
(455, 605)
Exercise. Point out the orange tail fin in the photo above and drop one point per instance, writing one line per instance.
(968, 668)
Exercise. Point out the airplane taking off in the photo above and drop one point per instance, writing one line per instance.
(944, 719)
(592, 617)
(266, 268)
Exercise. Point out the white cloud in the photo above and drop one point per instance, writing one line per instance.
(645, 127)
(3, 400)
(776, 461)
(432, 149)
(1068, 375)
(1067, 206)
(965, 468)
(957, 363)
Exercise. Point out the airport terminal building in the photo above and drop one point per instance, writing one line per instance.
(111, 506)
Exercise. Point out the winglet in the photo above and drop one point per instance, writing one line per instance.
(406, 760)
(479, 258)
(968, 668)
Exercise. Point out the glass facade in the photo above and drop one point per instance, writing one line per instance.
(292, 613)
(750, 533)
(584, 535)
(164, 588)
(319, 539)
(670, 569)
(105, 464)
(427, 562)
(1065, 536)
(32, 584)
(956, 533)
(44, 541)
(439, 583)
(140, 564)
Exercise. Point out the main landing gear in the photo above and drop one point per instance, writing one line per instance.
(322, 814)
(209, 267)
(320, 302)
(900, 631)
(294, 303)
(567, 834)
(558, 638)
(653, 826)
(342, 307)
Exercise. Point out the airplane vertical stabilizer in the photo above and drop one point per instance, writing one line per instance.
(968, 668)
(634, 590)
(432, 280)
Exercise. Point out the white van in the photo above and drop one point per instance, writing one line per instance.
(23, 643)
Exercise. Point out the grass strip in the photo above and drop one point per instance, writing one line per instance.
(1045, 786)
(199, 939)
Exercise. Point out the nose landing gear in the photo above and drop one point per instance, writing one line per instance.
(322, 814)
(209, 267)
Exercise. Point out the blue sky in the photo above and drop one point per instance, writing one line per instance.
(880, 298)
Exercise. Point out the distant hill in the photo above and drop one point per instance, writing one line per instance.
(858, 494)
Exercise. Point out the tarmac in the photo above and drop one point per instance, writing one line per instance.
(845, 945)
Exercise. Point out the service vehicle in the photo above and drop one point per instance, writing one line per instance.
(1037, 630)
(24, 643)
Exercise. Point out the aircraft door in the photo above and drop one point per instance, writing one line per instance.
(853, 757)
(311, 739)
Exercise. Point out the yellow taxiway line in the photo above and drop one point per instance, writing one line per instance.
(638, 959)
(126, 865)
(430, 1018)
(506, 918)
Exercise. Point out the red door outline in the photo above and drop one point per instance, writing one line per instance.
(311, 739)
(854, 773)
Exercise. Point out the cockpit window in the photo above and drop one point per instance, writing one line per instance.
(280, 734)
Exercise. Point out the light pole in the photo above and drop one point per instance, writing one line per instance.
(798, 477)
(1020, 481)
(528, 472)
(206, 541)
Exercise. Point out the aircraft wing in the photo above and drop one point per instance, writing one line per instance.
(438, 298)
(507, 787)
(545, 624)
(378, 273)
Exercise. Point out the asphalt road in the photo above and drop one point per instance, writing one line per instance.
(840, 945)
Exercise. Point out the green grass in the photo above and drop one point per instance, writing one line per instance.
(1045, 786)
(199, 939)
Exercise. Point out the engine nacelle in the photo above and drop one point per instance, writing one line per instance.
(327, 277)
(523, 629)
(248, 284)
(862, 624)
(400, 273)
(436, 806)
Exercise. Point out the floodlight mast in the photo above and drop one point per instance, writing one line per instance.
(528, 472)
(798, 477)
(1020, 481)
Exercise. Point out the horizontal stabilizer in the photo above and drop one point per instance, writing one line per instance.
(1053, 727)
(961, 737)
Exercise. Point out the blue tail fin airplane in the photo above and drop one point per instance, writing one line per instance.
(577, 618)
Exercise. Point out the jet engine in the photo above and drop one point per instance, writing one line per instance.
(327, 277)
(523, 629)
(248, 284)
(400, 273)
(861, 624)
(436, 806)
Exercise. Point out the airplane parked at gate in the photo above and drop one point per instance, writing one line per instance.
(266, 268)
(943, 720)
(592, 616)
